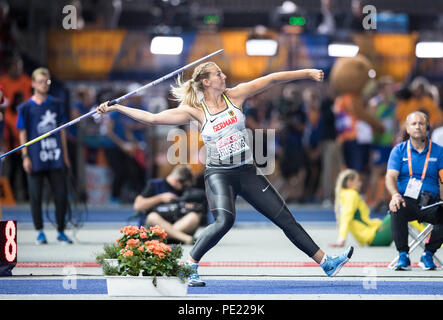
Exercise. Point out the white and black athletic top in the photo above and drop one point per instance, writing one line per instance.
(225, 137)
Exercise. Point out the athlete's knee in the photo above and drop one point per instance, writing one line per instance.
(224, 219)
(285, 219)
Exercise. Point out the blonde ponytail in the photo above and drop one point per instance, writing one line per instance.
(185, 92)
(340, 184)
(190, 92)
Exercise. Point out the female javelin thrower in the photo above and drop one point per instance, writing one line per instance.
(230, 170)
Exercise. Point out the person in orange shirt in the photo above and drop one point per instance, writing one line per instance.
(17, 88)
(420, 100)
(16, 84)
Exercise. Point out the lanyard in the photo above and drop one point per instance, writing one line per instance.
(426, 161)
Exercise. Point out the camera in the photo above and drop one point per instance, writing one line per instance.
(192, 200)
(425, 199)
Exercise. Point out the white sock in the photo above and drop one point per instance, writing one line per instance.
(192, 263)
(323, 260)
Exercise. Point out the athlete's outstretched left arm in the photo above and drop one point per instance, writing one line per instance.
(175, 116)
(247, 89)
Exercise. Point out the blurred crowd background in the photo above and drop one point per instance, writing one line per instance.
(104, 52)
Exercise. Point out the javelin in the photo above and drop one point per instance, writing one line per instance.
(112, 102)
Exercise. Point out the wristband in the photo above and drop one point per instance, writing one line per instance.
(397, 195)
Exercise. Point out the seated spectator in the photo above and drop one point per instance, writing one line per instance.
(353, 215)
(172, 204)
(414, 179)
(421, 99)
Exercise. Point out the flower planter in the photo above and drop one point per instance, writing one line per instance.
(144, 252)
(140, 286)
(112, 262)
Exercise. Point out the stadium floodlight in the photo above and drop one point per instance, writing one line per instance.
(342, 50)
(261, 47)
(429, 49)
(167, 45)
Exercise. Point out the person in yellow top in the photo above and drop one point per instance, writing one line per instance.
(353, 215)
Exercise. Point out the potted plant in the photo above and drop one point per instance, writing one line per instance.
(109, 255)
(146, 265)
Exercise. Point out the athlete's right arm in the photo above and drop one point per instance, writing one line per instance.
(175, 116)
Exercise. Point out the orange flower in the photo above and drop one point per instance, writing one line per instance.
(158, 232)
(143, 235)
(128, 253)
(158, 248)
(132, 243)
(141, 248)
(130, 230)
(143, 229)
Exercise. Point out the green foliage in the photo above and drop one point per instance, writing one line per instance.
(142, 252)
(110, 251)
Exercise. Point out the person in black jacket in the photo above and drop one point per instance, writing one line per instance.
(172, 204)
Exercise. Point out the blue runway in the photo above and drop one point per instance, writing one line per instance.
(233, 287)
(126, 214)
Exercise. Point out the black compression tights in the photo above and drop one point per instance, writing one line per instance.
(222, 188)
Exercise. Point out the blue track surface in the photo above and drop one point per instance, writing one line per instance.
(124, 214)
(235, 287)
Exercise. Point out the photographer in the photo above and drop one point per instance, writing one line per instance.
(172, 204)
(414, 176)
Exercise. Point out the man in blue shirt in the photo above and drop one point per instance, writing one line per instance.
(414, 175)
(47, 158)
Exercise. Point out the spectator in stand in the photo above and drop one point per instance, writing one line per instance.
(121, 154)
(17, 88)
(291, 157)
(353, 20)
(311, 143)
(7, 29)
(331, 161)
(420, 100)
(353, 135)
(13, 168)
(259, 115)
(327, 25)
(138, 133)
(382, 106)
(85, 100)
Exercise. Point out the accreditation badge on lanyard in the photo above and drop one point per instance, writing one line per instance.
(414, 185)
